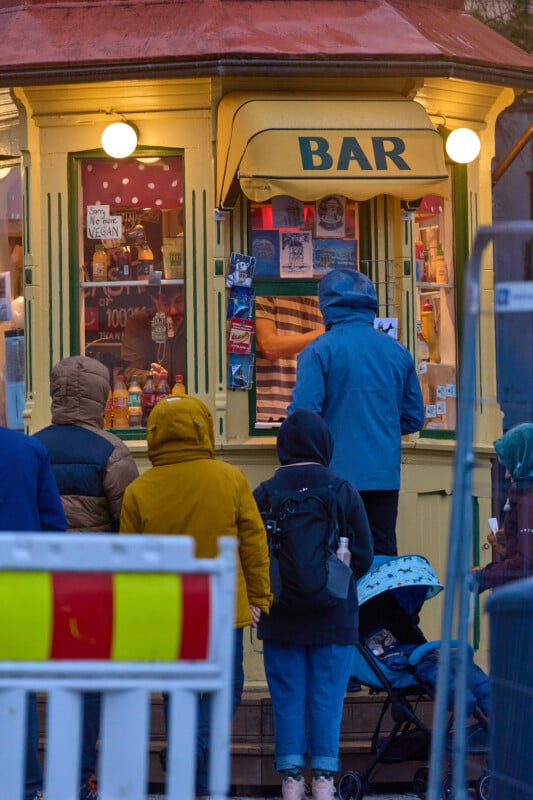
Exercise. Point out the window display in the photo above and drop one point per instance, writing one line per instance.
(12, 359)
(435, 325)
(291, 241)
(132, 263)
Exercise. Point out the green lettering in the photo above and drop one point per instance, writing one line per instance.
(314, 152)
(351, 150)
(381, 154)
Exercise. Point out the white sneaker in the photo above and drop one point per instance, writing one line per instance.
(323, 788)
(292, 789)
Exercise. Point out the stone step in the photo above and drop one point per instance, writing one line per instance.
(253, 740)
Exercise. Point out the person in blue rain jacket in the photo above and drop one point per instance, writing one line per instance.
(364, 385)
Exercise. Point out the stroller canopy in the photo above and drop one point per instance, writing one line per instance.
(411, 579)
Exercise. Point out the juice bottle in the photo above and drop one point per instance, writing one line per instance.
(99, 263)
(147, 398)
(179, 386)
(120, 403)
(441, 268)
(135, 414)
(108, 410)
(145, 264)
(429, 332)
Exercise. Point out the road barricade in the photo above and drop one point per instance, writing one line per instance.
(125, 616)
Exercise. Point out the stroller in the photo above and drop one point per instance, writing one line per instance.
(391, 596)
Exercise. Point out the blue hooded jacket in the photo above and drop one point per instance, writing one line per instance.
(361, 381)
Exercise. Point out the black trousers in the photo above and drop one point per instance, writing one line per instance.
(382, 511)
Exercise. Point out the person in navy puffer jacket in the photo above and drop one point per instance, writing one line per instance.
(92, 468)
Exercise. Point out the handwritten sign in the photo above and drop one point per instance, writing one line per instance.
(101, 225)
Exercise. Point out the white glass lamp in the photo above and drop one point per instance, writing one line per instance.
(463, 145)
(119, 139)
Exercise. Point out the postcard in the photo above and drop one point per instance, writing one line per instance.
(331, 254)
(241, 270)
(330, 217)
(240, 336)
(241, 302)
(296, 254)
(388, 325)
(240, 371)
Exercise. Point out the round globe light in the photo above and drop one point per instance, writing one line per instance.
(463, 145)
(119, 139)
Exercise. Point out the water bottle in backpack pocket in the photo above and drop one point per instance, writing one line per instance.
(302, 531)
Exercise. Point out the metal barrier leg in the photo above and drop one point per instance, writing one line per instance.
(63, 744)
(13, 704)
(181, 758)
(124, 744)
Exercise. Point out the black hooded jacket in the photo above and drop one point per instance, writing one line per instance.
(305, 448)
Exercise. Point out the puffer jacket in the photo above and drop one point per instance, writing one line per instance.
(188, 491)
(92, 466)
(362, 382)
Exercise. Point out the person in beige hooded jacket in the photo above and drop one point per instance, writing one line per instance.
(188, 491)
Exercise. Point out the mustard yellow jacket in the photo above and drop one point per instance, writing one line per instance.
(188, 491)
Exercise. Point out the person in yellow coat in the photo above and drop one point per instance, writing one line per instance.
(188, 491)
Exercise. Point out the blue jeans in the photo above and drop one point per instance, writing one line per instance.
(204, 712)
(90, 733)
(307, 683)
(34, 775)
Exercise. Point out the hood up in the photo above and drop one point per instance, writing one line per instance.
(180, 429)
(515, 451)
(346, 294)
(304, 436)
(79, 387)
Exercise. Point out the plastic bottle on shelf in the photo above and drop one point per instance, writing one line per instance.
(343, 551)
(135, 414)
(147, 397)
(120, 403)
(423, 348)
(162, 387)
(108, 410)
(441, 268)
(99, 263)
(429, 331)
(124, 264)
(145, 263)
(179, 386)
(419, 260)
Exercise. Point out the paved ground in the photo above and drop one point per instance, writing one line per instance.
(387, 796)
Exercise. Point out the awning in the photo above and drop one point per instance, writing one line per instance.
(310, 145)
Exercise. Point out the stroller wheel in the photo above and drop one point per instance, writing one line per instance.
(350, 786)
(420, 782)
(483, 786)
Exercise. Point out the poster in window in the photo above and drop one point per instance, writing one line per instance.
(296, 254)
(331, 254)
(287, 212)
(330, 217)
(265, 249)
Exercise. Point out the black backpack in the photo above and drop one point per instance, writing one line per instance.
(303, 535)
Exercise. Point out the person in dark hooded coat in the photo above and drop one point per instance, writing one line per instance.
(515, 451)
(308, 656)
(364, 384)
